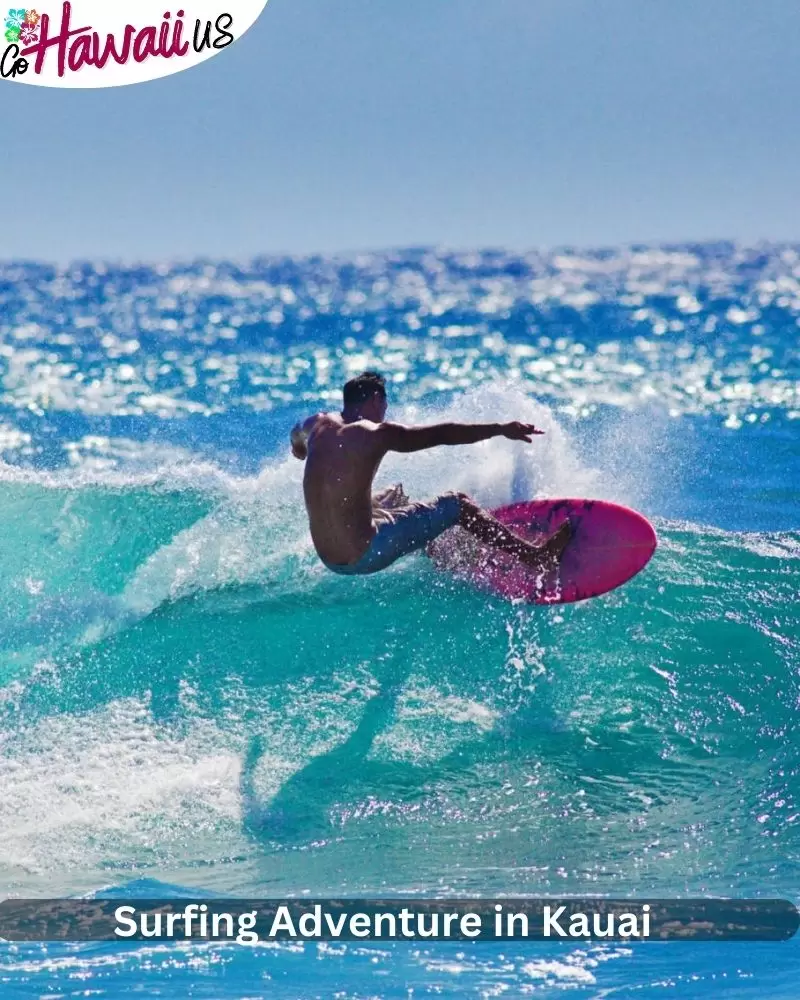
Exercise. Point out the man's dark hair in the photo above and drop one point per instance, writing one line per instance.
(363, 387)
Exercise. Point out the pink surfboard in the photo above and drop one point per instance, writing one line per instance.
(609, 545)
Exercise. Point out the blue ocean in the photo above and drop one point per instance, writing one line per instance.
(190, 704)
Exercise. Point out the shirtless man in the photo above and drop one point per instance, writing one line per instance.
(356, 533)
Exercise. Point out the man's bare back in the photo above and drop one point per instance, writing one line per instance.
(340, 468)
(343, 453)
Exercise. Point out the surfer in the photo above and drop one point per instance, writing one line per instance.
(355, 532)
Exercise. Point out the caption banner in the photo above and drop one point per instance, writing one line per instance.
(249, 921)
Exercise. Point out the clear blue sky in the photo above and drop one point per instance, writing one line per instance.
(347, 124)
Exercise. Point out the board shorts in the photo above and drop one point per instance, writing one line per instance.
(401, 530)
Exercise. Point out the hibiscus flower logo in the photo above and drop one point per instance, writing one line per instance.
(21, 26)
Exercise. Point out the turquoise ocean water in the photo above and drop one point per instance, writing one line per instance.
(190, 703)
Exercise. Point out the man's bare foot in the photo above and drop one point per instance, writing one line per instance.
(559, 540)
(549, 552)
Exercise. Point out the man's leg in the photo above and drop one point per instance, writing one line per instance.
(490, 531)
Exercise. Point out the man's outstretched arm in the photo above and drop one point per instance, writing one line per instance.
(398, 437)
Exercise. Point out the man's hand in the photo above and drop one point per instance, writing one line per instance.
(298, 441)
(516, 431)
